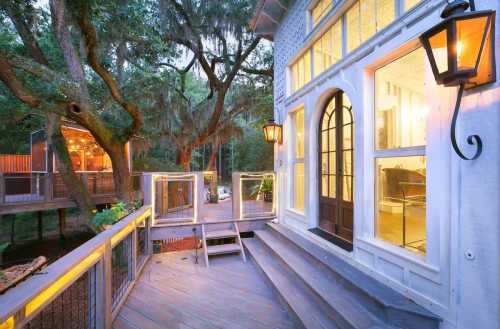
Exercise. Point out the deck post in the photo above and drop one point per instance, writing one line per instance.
(62, 221)
(104, 297)
(236, 182)
(133, 257)
(49, 187)
(40, 225)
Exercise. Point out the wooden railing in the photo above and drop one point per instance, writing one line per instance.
(85, 288)
(15, 163)
(44, 187)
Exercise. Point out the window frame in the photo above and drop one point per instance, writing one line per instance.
(409, 151)
(294, 160)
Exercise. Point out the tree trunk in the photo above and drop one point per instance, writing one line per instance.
(121, 171)
(213, 156)
(183, 158)
(72, 182)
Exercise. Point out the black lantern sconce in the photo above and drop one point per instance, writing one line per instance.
(273, 132)
(461, 53)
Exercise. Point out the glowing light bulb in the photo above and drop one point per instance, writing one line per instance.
(460, 47)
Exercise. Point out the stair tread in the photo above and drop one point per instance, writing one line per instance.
(322, 281)
(376, 290)
(294, 292)
(223, 249)
(219, 234)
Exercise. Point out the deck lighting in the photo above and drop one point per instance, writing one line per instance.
(461, 53)
(272, 132)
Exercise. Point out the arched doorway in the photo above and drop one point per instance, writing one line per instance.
(336, 132)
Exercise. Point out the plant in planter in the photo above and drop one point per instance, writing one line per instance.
(265, 188)
(108, 217)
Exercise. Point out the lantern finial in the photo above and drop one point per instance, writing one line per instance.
(454, 7)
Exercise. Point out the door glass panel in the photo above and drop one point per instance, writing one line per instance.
(347, 188)
(347, 142)
(333, 183)
(324, 141)
(324, 186)
(347, 163)
(299, 137)
(332, 146)
(332, 163)
(324, 163)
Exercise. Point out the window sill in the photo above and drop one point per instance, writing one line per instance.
(296, 214)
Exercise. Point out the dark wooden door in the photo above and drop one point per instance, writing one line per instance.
(336, 170)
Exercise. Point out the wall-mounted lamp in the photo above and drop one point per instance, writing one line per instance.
(461, 52)
(273, 132)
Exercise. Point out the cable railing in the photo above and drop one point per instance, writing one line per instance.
(254, 194)
(85, 288)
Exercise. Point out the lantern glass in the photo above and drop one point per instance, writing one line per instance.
(272, 132)
(439, 46)
(470, 33)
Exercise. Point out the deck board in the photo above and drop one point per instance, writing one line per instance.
(173, 292)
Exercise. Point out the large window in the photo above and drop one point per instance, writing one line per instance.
(301, 71)
(400, 138)
(365, 18)
(328, 49)
(320, 10)
(298, 161)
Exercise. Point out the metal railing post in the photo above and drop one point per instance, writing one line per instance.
(236, 195)
(2, 188)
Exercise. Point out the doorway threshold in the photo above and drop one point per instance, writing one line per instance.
(346, 245)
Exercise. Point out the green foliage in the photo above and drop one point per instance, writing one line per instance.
(266, 186)
(115, 213)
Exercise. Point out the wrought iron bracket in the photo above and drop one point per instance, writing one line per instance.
(472, 139)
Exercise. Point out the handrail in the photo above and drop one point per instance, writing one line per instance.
(21, 304)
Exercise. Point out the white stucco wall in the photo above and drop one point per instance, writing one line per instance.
(460, 278)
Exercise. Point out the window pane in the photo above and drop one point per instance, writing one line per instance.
(299, 186)
(299, 137)
(328, 48)
(332, 163)
(401, 113)
(386, 13)
(347, 132)
(353, 30)
(347, 162)
(368, 21)
(320, 10)
(301, 71)
(324, 141)
(401, 202)
(410, 4)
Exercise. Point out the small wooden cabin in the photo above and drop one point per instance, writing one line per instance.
(86, 154)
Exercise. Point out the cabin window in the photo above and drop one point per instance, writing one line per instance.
(328, 48)
(320, 10)
(400, 161)
(367, 17)
(301, 71)
(298, 161)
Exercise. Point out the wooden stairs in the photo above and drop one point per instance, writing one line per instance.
(221, 233)
(322, 290)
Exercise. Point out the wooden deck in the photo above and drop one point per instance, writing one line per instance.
(174, 292)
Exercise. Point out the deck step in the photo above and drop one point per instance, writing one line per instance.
(308, 311)
(223, 249)
(330, 277)
(220, 234)
(349, 313)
